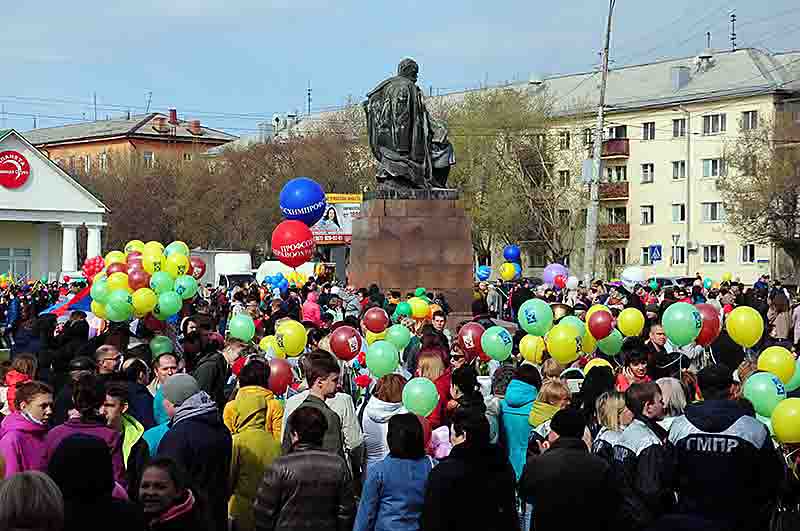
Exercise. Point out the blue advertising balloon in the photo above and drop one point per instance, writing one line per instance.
(302, 199)
(484, 272)
(511, 253)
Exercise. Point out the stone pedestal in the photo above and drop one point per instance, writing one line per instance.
(405, 239)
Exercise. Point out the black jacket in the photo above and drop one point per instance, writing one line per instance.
(726, 467)
(307, 489)
(640, 465)
(211, 374)
(203, 446)
(473, 488)
(563, 478)
(140, 404)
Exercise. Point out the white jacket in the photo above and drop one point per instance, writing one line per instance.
(375, 426)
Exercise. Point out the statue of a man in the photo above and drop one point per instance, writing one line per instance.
(412, 149)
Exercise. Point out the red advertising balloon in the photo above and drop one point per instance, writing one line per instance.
(469, 339)
(198, 267)
(560, 281)
(280, 375)
(376, 320)
(134, 266)
(711, 325)
(138, 278)
(117, 267)
(601, 324)
(292, 243)
(345, 342)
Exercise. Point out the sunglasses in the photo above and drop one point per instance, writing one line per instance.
(457, 357)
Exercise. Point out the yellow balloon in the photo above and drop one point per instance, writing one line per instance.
(508, 271)
(779, 361)
(269, 342)
(596, 362)
(290, 336)
(786, 421)
(117, 281)
(630, 322)
(153, 247)
(144, 300)
(595, 308)
(727, 277)
(134, 245)
(99, 310)
(153, 263)
(115, 257)
(745, 326)
(372, 337)
(419, 308)
(532, 348)
(563, 343)
(176, 265)
(588, 343)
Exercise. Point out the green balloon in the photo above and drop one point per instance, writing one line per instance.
(612, 344)
(382, 358)
(177, 247)
(682, 323)
(497, 343)
(162, 282)
(119, 306)
(576, 323)
(420, 396)
(766, 421)
(185, 286)
(44, 279)
(765, 391)
(100, 291)
(420, 292)
(794, 383)
(242, 327)
(160, 345)
(403, 309)
(169, 303)
(535, 316)
(653, 284)
(399, 336)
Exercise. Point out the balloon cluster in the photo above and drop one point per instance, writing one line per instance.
(767, 392)
(512, 267)
(277, 281)
(302, 203)
(144, 280)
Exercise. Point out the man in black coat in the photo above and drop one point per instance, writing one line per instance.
(569, 487)
(474, 487)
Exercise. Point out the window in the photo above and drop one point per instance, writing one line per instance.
(563, 217)
(582, 218)
(149, 159)
(713, 211)
(16, 261)
(537, 258)
(649, 131)
(617, 215)
(588, 136)
(618, 131)
(713, 167)
(646, 256)
(646, 215)
(750, 120)
(618, 256)
(678, 169)
(714, 124)
(617, 174)
(102, 160)
(678, 127)
(748, 253)
(713, 254)
(563, 140)
(87, 163)
(678, 212)
(678, 255)
(187, 157)
(648, 172)
(563, 178)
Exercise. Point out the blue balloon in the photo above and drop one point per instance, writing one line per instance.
(511, 253)
(302, 199)
(484, 272)
(518, 269)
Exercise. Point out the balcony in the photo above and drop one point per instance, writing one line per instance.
(614, 148)
(614, 231)
(611, 191)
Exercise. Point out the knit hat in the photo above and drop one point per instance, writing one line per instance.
(178, 387)
(568, 423)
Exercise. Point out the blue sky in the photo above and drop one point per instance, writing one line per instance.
(235, 63)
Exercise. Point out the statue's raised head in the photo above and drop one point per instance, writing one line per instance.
(408, 68)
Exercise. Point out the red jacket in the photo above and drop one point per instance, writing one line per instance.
(438, 417)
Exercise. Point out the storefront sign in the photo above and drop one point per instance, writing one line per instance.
(14, 169)
(336, 225)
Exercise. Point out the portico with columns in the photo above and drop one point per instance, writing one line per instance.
(42, 209)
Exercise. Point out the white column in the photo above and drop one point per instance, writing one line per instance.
(69, 248)
(44, 249)
(93, 239)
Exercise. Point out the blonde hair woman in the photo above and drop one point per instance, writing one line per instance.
(431, 366)
(613, 416)
(553, 396)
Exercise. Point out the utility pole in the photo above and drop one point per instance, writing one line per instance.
(308, 101)
(95, 106)
(733, 31)
(590, 247)
(149, 99)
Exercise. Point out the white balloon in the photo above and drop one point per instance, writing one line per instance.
(632, 276)
(572, 282)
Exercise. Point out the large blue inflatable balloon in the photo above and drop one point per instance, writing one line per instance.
(483, 272)
(302, 199)
(511, 253)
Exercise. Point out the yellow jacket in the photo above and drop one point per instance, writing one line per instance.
(274, 409)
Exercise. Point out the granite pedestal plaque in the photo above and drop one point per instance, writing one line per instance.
(409, 238)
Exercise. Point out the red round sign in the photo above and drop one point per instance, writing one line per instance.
(14, 169)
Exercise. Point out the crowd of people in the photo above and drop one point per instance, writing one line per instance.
(101, 427)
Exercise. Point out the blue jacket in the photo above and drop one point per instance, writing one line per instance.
(393, 495)
(515, 409)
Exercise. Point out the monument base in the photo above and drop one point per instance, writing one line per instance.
(410, 238)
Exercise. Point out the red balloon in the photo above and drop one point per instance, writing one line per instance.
(132, 255)
(117, 267)
(560, 281)
(67, 278)
(138, 278)
(345, 343)
(280, 375)
(601, 324)
(151, 323)
(198, 267)
(728, 308)
(469, 339)
(376, 320)
(711, 325)
(292, 243)
(135, 266)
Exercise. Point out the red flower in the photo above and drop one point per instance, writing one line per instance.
(362, 359)
(363, 380)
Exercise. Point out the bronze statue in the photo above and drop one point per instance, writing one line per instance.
(412, 148)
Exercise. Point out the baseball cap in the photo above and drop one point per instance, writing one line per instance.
(178, 387)
(716, 376)
(568, 423)
(82, 363)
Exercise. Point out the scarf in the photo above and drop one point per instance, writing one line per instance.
(27, 417)
(175, 511)
(541, 413)
(194, 406)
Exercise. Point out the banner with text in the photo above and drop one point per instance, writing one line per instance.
(336, 226)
